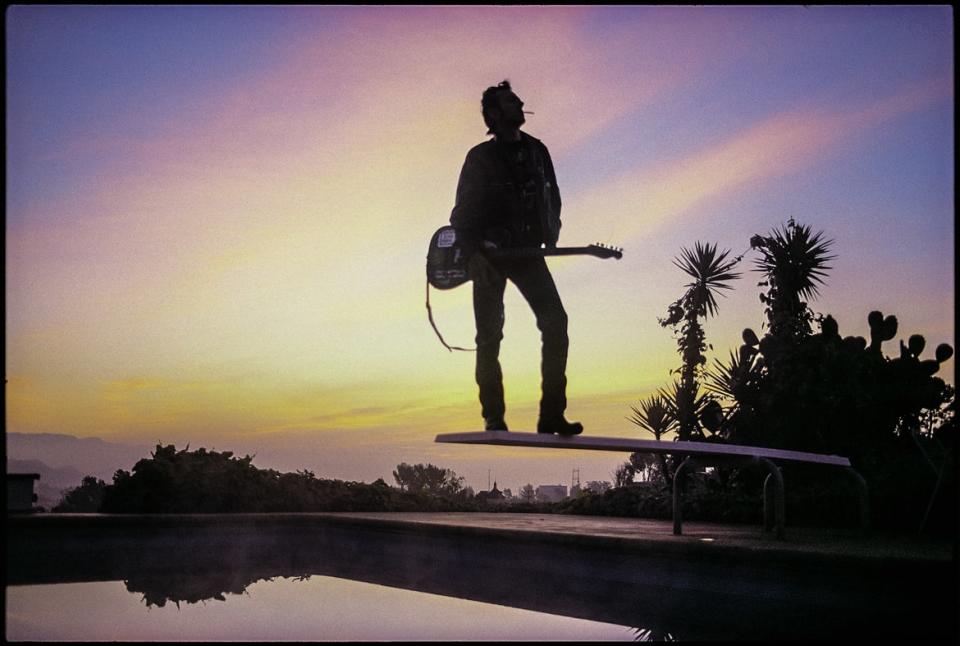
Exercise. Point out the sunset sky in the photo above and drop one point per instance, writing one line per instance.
(217, 217)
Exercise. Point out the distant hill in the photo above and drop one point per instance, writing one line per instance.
(60, 477)
(63, 456)
(52, 480)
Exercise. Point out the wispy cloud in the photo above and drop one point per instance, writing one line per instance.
(783, 143)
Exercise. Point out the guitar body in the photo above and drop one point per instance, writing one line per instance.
(447, 257)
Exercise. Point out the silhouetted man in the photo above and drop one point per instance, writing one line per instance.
(507, 196)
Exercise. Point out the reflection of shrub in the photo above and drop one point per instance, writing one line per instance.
(157, 590)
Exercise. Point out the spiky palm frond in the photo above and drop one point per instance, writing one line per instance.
(684, 407)
(794, 259)
(673, 400)
(728, 379)
(711, 272)
(723, 379)
(653, 415)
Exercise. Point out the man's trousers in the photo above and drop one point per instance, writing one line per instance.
(535, 283)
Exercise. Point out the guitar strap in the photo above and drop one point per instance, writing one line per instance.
(450, 348)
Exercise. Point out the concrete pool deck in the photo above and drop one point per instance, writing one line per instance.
(658, 534)
(587, 531)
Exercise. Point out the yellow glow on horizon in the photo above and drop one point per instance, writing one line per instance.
(253, 268)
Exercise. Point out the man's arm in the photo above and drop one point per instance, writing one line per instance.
(552, 199)
(467, 212)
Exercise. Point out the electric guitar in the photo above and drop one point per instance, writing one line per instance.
(447, 257)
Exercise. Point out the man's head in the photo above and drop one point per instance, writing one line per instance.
(502, 109)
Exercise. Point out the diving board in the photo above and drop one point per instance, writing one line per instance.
(510, 438)
(696, 454)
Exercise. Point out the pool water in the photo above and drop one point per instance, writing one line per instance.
(305, 578)
(312, 608)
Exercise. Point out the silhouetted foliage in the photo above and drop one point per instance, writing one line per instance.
(202, 481)
(819, 392)
(597, 486)
(527, 493)
(680, 408)
(86, 498)
(427, 478)
(711, 272)
(623, 474)
(715, 497)
(793, 261)
(826, 394)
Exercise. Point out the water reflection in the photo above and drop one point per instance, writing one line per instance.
(315, 608)
(158, 590)
(647, 635)
(171, 564)
(155, 591)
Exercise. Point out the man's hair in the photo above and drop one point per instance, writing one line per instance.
(489, 100)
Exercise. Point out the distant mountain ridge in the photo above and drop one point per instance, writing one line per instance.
(53, 481)
(60, 477)
(63, 454)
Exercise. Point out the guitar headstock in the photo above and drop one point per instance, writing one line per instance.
(603, 251)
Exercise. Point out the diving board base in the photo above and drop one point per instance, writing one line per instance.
(696, 454)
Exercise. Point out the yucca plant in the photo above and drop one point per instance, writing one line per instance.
(653, 416)
(682, 403)
(712, 271)
(793, 261)
(732, 381)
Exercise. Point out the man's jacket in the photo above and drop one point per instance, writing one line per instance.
(502, 191)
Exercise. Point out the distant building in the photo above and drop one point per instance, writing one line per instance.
(493, 497)
(551, 493)
(20, 494)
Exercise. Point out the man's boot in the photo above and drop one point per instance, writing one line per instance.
(559, 425)
(494, 424)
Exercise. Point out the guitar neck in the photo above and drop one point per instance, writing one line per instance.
(534, 252)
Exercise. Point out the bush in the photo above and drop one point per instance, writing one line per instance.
(86, 498)
(202, 481)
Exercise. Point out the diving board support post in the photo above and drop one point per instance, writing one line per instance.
(863, 495)
(695, 454)
(774, 499)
